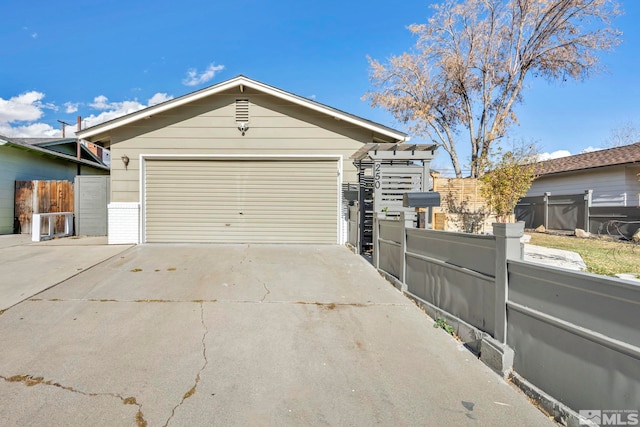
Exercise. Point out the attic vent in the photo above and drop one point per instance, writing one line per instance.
(242, 110)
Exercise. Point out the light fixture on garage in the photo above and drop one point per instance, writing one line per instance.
(242, 115)
(125, 161)
(243, 127)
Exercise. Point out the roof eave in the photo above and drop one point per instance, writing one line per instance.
(540, 175)
(103, 128)
(53, 154)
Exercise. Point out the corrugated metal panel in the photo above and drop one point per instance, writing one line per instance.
(241, 201)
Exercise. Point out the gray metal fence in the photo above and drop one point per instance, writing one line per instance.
(568, 212)
(574, 335)
(454, 273)
(353, 233)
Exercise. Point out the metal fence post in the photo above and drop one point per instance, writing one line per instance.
(588, 197)
(508, 247)
(359, 233)
(35, 228)
(68, 224)
(546, 209)
(406, 223)
(376, 246)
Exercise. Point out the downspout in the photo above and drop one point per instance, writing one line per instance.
(78, 148)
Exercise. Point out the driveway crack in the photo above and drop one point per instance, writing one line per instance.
(266, 289)
(30, 381)
(245, 255)
(192, 390)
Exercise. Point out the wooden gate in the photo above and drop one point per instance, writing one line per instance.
(41, 197)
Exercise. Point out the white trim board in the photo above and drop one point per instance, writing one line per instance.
(240, 82)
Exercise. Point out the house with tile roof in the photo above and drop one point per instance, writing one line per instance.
(585, 191)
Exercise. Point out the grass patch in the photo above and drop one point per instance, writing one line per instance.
(601, 255)
(442, 323)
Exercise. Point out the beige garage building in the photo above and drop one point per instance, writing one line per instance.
(237, 162)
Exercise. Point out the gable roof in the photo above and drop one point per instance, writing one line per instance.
(31, 144)
(240, 82)
(627, 154)
(58, 145)
(45, 141)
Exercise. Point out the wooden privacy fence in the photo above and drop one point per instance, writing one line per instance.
(34, 197)
(465, 192)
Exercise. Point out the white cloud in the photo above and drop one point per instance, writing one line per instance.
(18, 113)
(113, 110)
(158, 98)
(71, 107)
(34, 130)
(194, 79)
(554, 155)
(34, 35)
(25, 107)
(100, 102)
(110, 110)
(590, 149)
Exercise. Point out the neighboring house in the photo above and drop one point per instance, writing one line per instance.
(35, 159)
(69, 146)
(237, 162)
(579, 189)
(612, 174)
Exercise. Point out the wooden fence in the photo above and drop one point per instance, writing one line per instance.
(464, 191)
(42, 197)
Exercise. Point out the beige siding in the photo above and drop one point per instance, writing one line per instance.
(241, 201)
(208, 127)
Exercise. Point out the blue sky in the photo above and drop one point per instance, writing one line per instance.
(100, 59)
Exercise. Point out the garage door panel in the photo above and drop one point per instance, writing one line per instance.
(254, 191)
(241, 201)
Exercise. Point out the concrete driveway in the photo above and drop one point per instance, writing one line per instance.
(239, 335)
(27, 268)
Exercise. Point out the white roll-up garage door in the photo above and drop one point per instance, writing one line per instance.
(241, 201)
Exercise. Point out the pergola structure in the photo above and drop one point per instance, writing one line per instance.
(387, 171)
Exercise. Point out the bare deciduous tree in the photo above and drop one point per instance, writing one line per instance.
(623, 134)
(470, 62)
